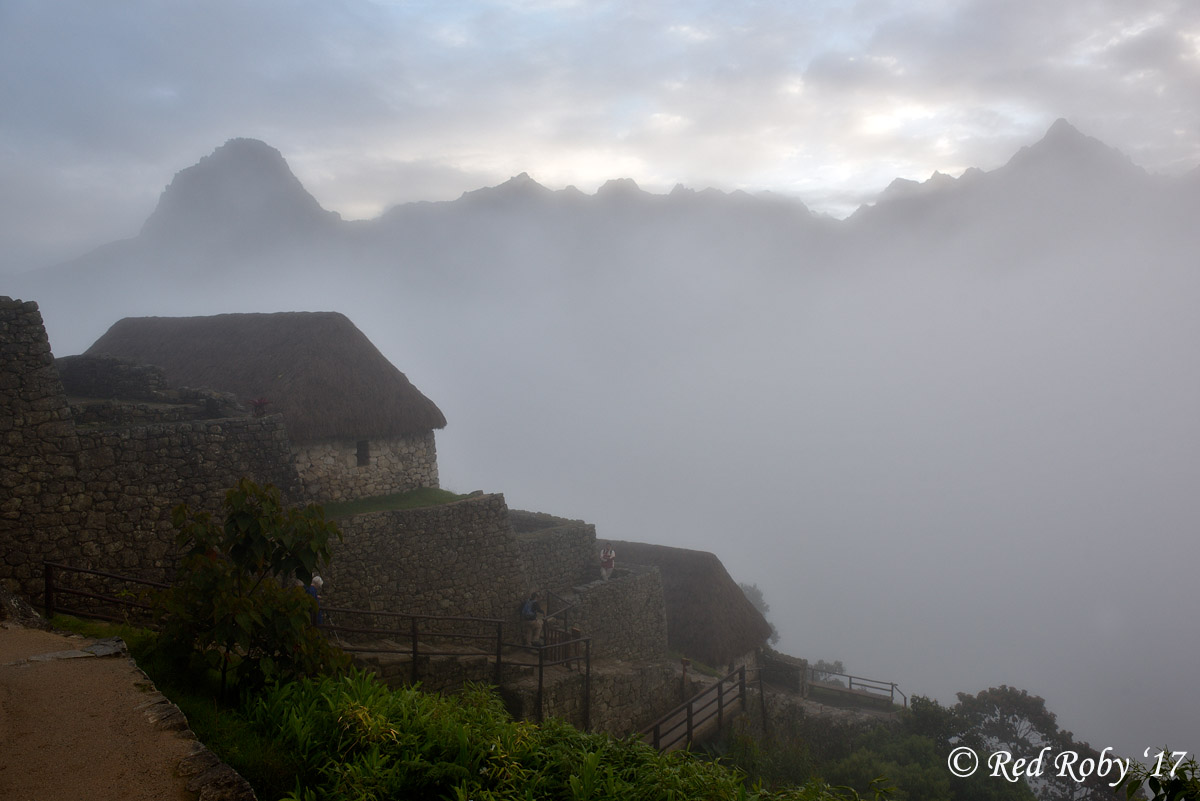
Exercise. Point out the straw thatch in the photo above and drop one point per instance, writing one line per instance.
(315, 368)
(708, 616)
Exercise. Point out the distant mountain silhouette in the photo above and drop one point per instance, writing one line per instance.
(243, 192)
(1066, 151)
(973, 384)
(240, 218)
(1065, 186)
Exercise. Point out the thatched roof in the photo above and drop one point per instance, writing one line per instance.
(708, 616)
(316, 369)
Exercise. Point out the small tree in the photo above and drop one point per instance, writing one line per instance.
(236, 606)
(823, 670)
(755, 596)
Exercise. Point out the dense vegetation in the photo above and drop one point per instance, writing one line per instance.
(356, 739)
(239, 654)
(238, 604)
(272, 698)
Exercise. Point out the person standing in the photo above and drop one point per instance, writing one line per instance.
(532, 620)
(314, 590)
(608, 559)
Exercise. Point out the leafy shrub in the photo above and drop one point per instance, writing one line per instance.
(356, 739)
(1169, 778)
(236, 606)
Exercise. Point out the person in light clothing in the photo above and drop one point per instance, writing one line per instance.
(314, 590)
(608, 559)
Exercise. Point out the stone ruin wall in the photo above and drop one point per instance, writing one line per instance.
(39, 447)
(626, 616)
(559, 558)
(99, 497)
(458, 558)
(330, 469)
(464, 558)
(110, 377)
(621, 702)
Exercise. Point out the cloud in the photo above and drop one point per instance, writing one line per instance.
(827, 100)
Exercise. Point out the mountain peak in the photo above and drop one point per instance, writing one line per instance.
(242, 189)
(617, 188)
(1064, 131)
(519, 187)
(1065, 149)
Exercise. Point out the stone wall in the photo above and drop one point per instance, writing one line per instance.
(330, 470)
(459, 558)
(622, 701)
(110, 377)
(625, 616)
(560, 557)
(101, 497)
(39, 445)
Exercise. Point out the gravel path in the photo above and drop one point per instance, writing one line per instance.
(85, 726)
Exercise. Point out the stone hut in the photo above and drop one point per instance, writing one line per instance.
(708, 616)
(358, 427)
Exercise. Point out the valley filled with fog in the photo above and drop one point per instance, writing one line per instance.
(954, 438)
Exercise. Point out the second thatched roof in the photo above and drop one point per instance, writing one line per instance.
(315, 368)
(708, 616)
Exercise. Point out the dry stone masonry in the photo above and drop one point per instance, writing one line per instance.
(100, 496)
(91, 482)
(339, 470)
(456, 559)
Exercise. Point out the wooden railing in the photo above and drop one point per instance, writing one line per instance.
(426, 634)
(558, 609)
(361, 630)
(679, 727)
(856, 684)
(133, 604)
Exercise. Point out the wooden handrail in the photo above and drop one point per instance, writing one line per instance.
(563, 650)
(696, 712)
(875, 686)
(52, 590)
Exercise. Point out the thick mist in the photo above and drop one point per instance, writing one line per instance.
(954, 439)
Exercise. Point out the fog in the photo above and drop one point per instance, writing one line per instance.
(952, 456)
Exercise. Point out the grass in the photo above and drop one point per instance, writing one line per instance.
(350, 738)
(696, 666)
(424, 496)
(262, 760)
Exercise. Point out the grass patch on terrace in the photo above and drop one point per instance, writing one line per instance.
(351, 738)
(260, 758)
(424, 496)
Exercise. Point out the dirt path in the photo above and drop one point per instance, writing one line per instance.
(87, 727)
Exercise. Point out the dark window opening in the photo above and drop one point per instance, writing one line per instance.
(364, 453)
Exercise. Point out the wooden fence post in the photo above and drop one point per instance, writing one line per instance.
(587, 686)
(541, 671)
(499, 649)
(48, 575)
(413, 634)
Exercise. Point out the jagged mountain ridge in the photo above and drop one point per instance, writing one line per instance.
(990, 375)
(244, 195)
(240, 215)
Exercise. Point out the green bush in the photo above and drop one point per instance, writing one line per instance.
(356, 739)
(236, 606)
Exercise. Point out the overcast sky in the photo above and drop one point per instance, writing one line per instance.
(375, 103)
